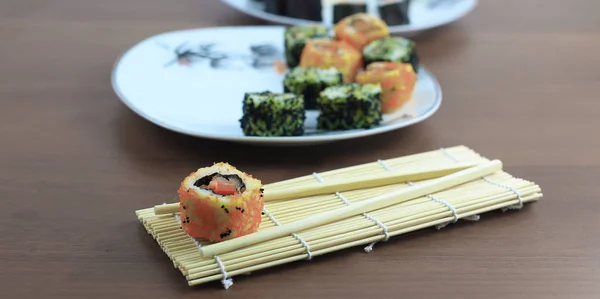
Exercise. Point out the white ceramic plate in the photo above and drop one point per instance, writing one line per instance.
(203, 96)
(423, 14)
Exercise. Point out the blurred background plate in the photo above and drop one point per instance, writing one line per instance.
(405, 17)
(193, 82)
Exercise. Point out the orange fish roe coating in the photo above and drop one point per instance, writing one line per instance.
(325, 53)
(397, 82)
(360, 29)
(208, 215)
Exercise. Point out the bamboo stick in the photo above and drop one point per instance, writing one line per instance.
(375, 203)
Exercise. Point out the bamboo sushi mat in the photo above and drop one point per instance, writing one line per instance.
(497, 191)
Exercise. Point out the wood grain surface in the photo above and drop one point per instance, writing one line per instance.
(520, 81)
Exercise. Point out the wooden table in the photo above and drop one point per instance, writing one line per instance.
(520, 82)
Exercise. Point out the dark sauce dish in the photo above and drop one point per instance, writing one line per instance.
(391, 12)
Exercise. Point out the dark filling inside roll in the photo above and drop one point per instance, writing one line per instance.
(222, 184)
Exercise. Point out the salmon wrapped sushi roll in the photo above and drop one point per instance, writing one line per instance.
(397, 82)
(220, 203)
(360, 29)
(332, 53)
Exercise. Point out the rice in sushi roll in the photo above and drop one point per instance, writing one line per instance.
(219, 203)
(360, 29)
(397, 82)
(309, 82)
(295, 37)
(273, 114)
(332, 53)
(350, 106)
(392, 49)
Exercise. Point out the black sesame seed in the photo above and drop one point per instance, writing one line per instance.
(242, 210)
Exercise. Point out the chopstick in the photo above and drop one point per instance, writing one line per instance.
(341, 185)
(376, 180)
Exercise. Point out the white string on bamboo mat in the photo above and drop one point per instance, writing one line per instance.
(318, 177)
(437, 200)
(369, 247)
(514, 207)
(489, 181)
(444, 203)
(227, 282)
(300, 239)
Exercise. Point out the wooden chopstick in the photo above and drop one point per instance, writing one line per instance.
(341, 185)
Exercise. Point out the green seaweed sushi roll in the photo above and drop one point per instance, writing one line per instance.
(296, 36)
(392, 49)
(310, 81)
(272, 114)
(350, 106)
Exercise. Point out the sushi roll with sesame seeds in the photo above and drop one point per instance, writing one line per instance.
(397, 80)
(309, 82)
(321, 53)
(360, 29)
(295, 37)
(273, 114)
(392, 49)
(220, 202)
(350, 106)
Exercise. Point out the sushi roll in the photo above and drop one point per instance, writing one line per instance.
(392, 49)
(273, 114)
(297, 9)
(343, 10)
(360, 29)
(397, 82)
(395, 12)
(309, 82)
(295, 38)
(332, 53)
(220, 202)
(350, 106)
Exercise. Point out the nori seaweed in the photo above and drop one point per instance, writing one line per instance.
(309, 82)
(350, 106)
(392, 49)
(341, 11)
(299, 9)
(272, 114)
(295, 37)
(391, 13)
(395, 14)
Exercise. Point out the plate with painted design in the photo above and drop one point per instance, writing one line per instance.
(194, 82)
